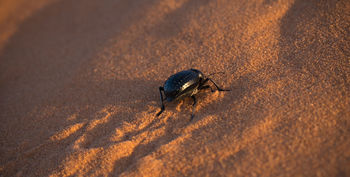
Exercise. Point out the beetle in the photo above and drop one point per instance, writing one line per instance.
(183, 84)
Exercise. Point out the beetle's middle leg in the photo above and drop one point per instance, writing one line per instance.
(194, 106)
(161, 100)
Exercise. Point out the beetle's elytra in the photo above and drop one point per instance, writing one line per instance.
(184, 84)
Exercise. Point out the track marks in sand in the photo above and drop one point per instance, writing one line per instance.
(66, 132)
(122, 148)
(178, 132)
(153, 137)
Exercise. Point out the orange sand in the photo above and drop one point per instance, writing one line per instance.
(79, 88)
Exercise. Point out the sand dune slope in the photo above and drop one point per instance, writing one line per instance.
(79, 88)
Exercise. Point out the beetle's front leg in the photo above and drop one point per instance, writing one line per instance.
(206, 87)
(161, 100)
(219, 89)
(202, 85)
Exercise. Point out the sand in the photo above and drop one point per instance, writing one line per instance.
(79, 88)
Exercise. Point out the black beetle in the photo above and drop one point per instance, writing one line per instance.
(183, 84)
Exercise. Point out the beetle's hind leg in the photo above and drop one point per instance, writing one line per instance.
(161, 100)
(193, 106)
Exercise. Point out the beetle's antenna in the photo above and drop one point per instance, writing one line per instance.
(215, 73)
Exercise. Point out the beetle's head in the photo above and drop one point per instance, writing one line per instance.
(196, 70)
(200, 74)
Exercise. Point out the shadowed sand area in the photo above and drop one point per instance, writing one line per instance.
(79, 88)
